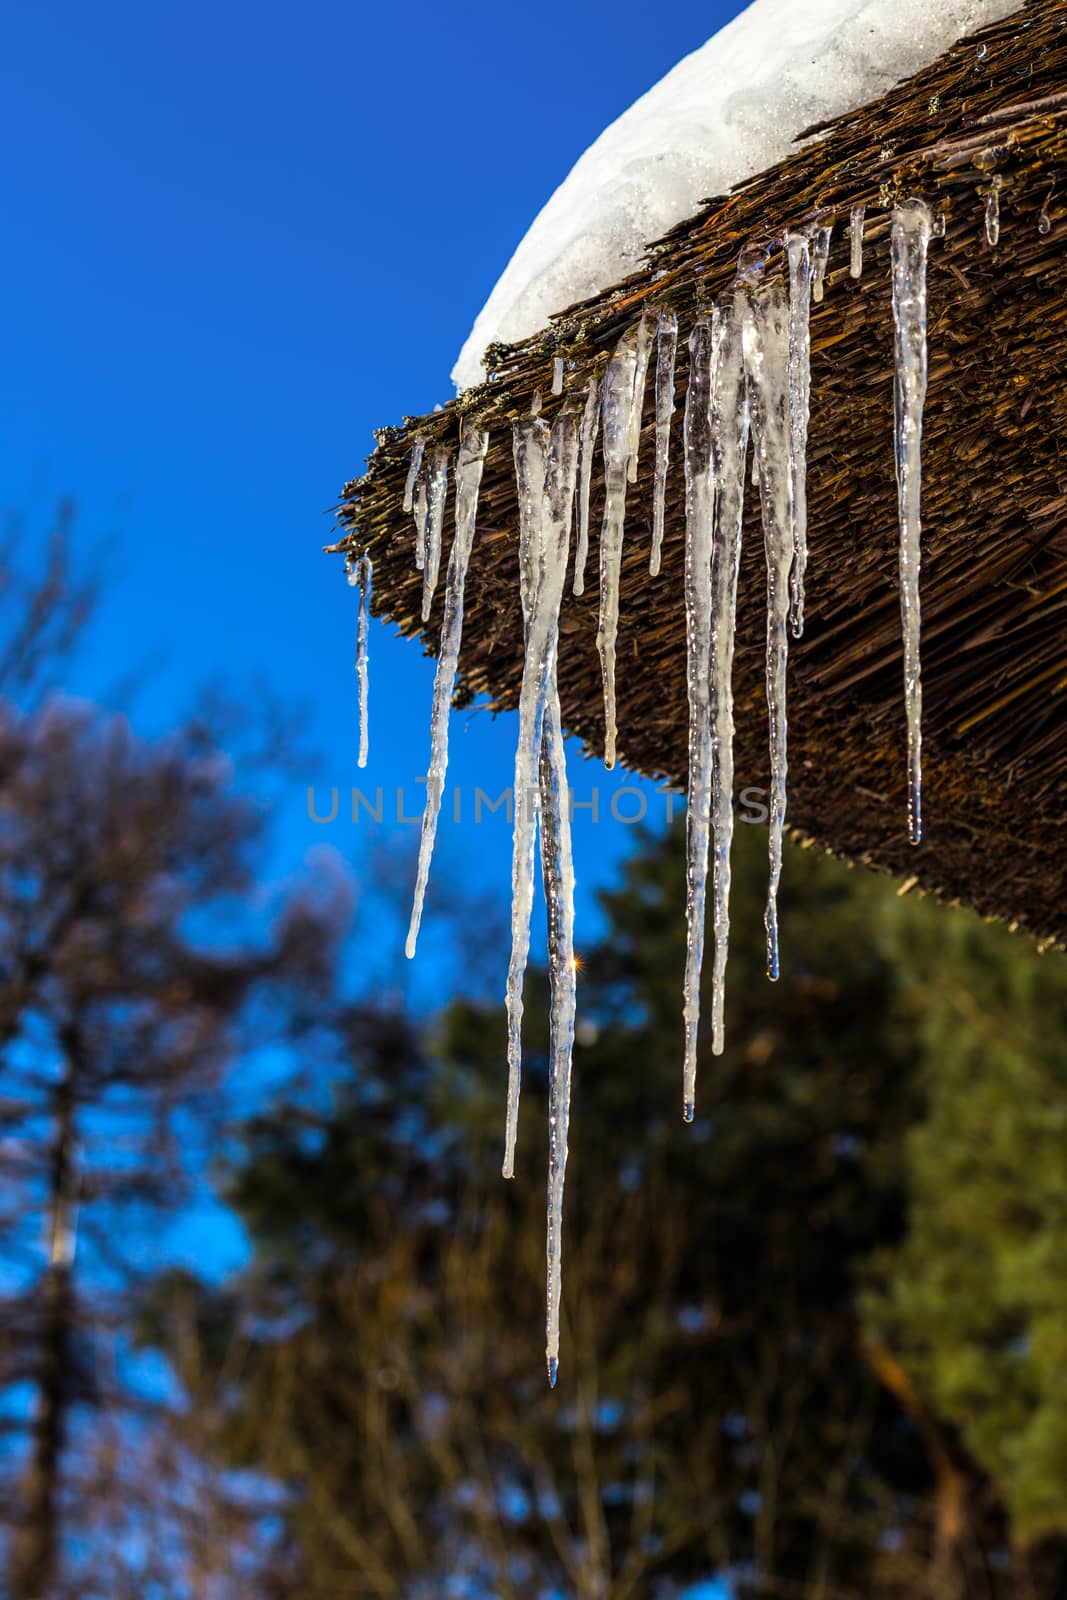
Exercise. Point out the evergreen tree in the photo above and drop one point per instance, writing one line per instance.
(723, 1407)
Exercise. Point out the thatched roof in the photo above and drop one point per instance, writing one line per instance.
(994, 579)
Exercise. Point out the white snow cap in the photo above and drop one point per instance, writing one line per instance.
(729, 110)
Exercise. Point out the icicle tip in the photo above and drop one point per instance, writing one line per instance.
(553, 1371)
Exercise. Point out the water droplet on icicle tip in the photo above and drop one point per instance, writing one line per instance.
(362, 575)
(469, 465)
(910, 236)
(981, 52)
(820, 257)
(688, 1111)
(617, 406)
(557, 375)
(855, 234)
(414, 468)
(1044, 223)
(553, 1372)
(666, 356)
(992, 213)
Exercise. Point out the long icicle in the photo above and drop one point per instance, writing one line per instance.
(666, 355)
(473, 444)
(617, 409)
(557, 869)
(362, 575)
(414, 468)
(729, 441)
(419, 513)
(590, 425)
(637, 402)
(699, 490)
(820, 258)
(437, 490)
(910, 238)
(545, 468)
(766, 346)
(798, 251)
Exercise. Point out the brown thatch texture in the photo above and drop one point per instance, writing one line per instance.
(994, 581)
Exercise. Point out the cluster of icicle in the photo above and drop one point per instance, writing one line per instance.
(749, 379)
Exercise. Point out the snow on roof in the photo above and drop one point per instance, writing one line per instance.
(724, 113)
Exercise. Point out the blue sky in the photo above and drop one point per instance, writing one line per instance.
(237, 238)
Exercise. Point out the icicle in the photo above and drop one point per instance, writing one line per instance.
(755, 473)
(535, 404)
(766, 347)
(557, 375)
(362, 576)
(414, 468)
(910, 240)
(798, 252)
(699, 491)
(637, 405)
(992, 213)
(820, 257)
(617, 406)
(666, 353)
(557, 868)
(472, 448)
(436, 492)
(545, 469)
(590, 424)
(855, 233)
(420, 525)
(729, 442)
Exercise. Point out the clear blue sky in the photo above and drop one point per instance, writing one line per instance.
(237, 237)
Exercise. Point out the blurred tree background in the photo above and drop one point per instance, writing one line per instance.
(815, 1343)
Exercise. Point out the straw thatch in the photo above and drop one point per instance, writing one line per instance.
(993, 110)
